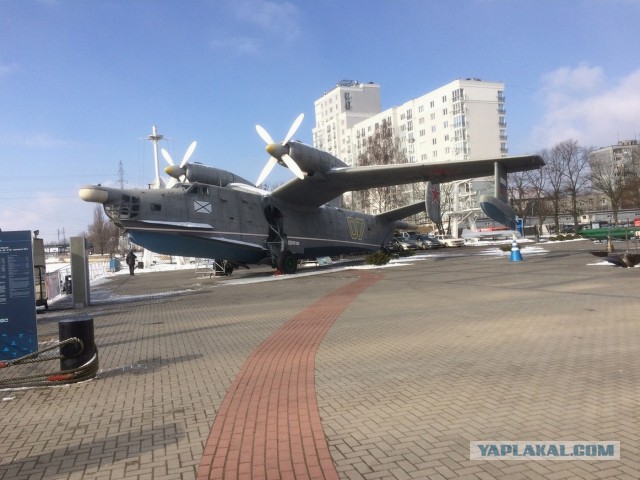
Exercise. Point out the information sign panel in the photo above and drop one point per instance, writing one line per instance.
(18, 326)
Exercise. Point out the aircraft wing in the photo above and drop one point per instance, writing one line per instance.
(321, 187)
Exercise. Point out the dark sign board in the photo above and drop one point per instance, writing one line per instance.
(18, 327)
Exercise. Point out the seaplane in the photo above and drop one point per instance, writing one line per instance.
(212, 213)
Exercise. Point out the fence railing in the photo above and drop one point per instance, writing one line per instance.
(55, 280)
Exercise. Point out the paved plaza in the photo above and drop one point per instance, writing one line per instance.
(382, 373)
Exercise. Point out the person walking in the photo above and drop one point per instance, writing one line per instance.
(131, 261)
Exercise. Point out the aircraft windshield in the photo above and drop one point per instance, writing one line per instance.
(128, 207)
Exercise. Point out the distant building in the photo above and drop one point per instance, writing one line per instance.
(623, 156)
(337, 111)
(464, 119)
(54, 249)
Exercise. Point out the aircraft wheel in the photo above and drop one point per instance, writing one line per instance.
(287, 263)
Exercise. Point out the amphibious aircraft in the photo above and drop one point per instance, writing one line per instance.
(213, 213)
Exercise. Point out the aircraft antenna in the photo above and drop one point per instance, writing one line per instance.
(154, 138)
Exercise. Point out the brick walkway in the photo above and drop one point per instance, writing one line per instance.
(268, 425)
(450, 347)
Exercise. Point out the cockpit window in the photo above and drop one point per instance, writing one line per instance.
(127, 208)
(201, 190)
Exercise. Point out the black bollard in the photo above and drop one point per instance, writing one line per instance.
(72, 355)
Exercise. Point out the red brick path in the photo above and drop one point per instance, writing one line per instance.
(268, 426)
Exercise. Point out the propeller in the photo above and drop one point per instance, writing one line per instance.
(178, 172)
(278, 152)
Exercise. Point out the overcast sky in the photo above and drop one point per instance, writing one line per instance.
(82, 81)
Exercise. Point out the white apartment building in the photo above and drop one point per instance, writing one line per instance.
(621, 156)
(464, 119)
(348, 104)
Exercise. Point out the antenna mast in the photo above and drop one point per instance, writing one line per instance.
(154, 138)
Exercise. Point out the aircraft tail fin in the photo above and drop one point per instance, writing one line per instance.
(432, 201)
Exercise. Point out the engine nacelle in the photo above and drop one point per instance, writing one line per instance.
(498, 210)
(311, 160)
(198, 173)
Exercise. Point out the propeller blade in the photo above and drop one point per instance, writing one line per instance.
(264, 135)
(293, 166)
(293, 128)
(266, 170)
(188, 153)
(166, 156)
(279, 151)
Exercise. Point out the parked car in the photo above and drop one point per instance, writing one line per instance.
(407, 243)
(449, 241)
(425, 242)
(399, 244)
(392, 246)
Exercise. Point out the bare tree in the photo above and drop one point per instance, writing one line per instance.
(382, 149)
(555, 182)
(102, 234)
(610, 179)
(537, 179)
(447, 203)
(576, 169)
(519, 193)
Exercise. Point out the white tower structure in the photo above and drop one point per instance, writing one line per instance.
(154, 138)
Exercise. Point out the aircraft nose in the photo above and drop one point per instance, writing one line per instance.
(94, 194)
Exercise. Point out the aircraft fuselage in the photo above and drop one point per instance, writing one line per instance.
(238, 225)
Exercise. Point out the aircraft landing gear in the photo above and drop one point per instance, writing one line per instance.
(287, 262)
